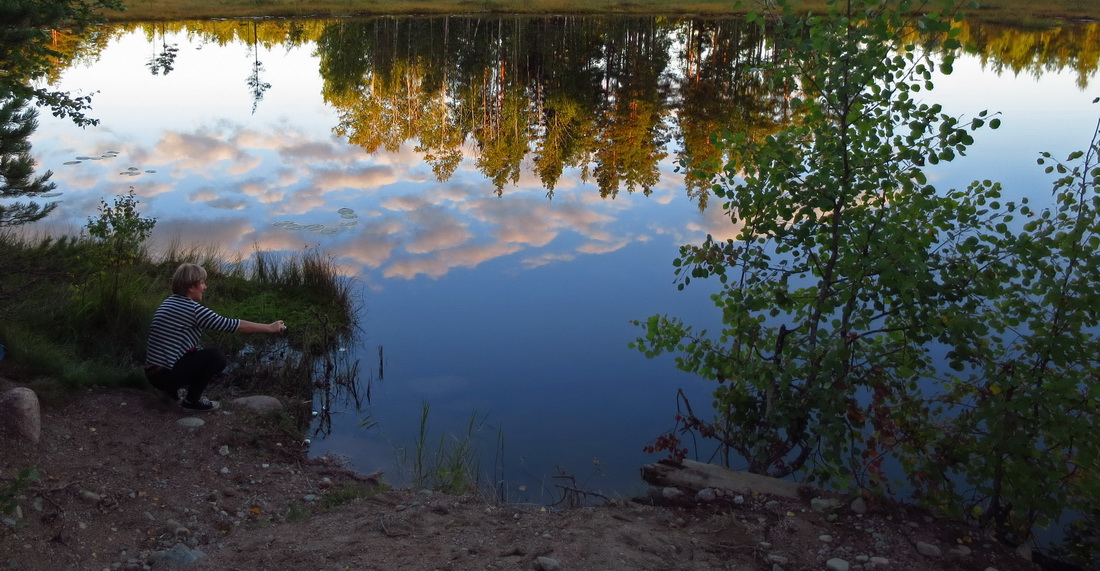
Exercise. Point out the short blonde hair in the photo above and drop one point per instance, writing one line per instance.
(186, 277)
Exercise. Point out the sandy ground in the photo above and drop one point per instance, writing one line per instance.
(123, 485)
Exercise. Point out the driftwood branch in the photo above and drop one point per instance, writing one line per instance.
(693, 475)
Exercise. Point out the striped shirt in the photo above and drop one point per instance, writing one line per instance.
(177, 327)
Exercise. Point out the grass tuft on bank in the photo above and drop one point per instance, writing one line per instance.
(72, 317)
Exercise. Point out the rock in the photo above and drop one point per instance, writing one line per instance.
(836, 564)
(90, 496)
(179, 556)
(928, 550)
(877, 562)
(824, 505)
(224, 450)
(859, 506)
(547, 564)
(671, 493)
(191, 422)
(1024, 550)
(961, 552)
(825, 538)
(706, 495)
(19, 413)
(259, 404)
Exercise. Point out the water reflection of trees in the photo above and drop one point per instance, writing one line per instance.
(599, 95)
(594, 94)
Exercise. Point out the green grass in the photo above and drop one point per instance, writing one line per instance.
(449, 464)
(70, 322)
(348, 493)
(1018, 11)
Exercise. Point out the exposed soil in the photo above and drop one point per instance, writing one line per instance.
(124, 486)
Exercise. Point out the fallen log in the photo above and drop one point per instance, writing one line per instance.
(697, 476)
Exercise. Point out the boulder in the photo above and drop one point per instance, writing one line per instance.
(19, 413)
(259, 404)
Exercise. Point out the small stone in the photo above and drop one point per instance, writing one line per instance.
(179, 556)
(670, 493)
(836, 564)
(224, 450)
(739, 500)
(547, 564)
(928, 550)
(777, 558)
(310, 497)
(191, 422)
(90, 496)
(859, 506)
(824, 505)
(765, 545)
(877, 562)
(825, 538)
(960, 551)
(706, 495)
(224, 470)
(259, 404)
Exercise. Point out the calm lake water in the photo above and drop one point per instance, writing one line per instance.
(504, 191)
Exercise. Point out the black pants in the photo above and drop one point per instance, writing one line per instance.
(193, 371)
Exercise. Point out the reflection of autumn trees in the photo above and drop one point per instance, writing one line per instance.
(722, 89)
(1018, 50)
(601, 95)
(561, 93)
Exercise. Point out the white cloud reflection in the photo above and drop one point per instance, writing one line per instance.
(223, 179)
